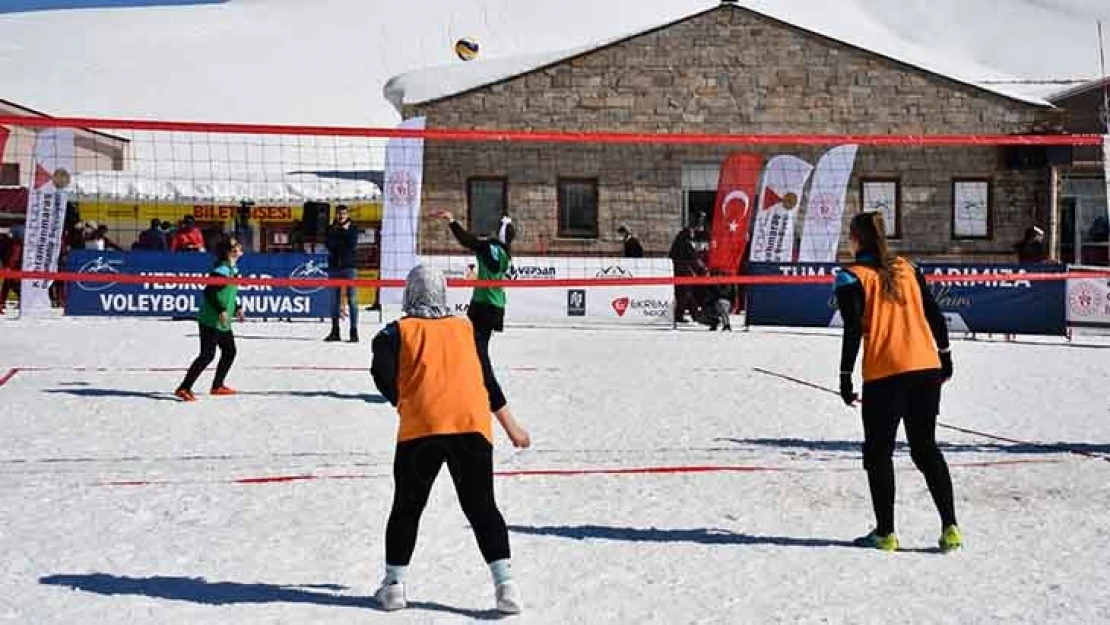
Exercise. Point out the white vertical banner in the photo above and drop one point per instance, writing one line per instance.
(46, 211)
(1106, 167)
(404, 175)
(783, 181)
(825, 205)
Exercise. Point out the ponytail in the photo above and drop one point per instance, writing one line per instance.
(869, 230)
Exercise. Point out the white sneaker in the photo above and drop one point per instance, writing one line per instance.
(508, 599)
(391, 596)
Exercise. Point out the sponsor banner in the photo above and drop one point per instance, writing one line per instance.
(652, 304)
(1008, 305)
(779, 202)
(404, 174)
(732, 211)
(112, 299)
(825, 205)
(1088, 302)
(46, 210)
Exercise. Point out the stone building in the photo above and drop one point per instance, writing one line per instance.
(724, 70)
(1083, 229)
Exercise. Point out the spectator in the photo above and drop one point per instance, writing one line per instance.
(1031, 249)
(686, 263)
(154, 239)
(188, 238)
(342, 241)
(12, 260)
(632, 247)
(100, 241)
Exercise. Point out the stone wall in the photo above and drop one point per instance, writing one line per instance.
(726, 71)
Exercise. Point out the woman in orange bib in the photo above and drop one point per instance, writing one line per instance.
(427, 365)
(884, 302)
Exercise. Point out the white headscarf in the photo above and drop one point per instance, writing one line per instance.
(425, 294)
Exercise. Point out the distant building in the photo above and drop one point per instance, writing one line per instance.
(92, 150)
(728, 70)
(1084, 228)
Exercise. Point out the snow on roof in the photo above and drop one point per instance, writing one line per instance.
(844, 23)
(232, 188)
(1076, 89)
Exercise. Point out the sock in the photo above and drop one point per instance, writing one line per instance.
(501, 570)
(394, 574)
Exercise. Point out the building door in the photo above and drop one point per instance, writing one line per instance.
(1085, 225)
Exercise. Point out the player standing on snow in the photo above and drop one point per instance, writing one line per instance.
(487, 305)
(906, 359)
(214, 319)
(426, 364)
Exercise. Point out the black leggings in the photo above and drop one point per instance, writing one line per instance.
(915, 397)
(482, 336)
(469, 458)
(210, 338)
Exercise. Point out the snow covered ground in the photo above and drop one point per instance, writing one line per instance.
(119, 504)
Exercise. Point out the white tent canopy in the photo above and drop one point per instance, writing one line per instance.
(226, 188)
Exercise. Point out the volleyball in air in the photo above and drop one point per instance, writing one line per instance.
(466, 49)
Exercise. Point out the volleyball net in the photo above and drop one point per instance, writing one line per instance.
(102, 212)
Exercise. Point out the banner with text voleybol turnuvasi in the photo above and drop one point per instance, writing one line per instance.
(1007, 304)
(155, 299)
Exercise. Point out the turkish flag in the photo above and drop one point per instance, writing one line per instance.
(732, 211)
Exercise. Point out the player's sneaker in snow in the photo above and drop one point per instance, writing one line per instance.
(508, 599)
(391, 596)
(874, 541)
(950, 539)
(185, 394)
(223, 390)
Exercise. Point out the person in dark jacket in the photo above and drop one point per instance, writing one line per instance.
(217, 307)
(632, 247)
(154, 239)
(342, 241)
(885, 303)
(686, 263)
(1031, 249)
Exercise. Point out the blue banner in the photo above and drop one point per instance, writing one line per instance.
(1008, 305)
(112, 299)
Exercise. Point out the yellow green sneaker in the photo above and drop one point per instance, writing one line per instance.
(875, 541)
(950, 539)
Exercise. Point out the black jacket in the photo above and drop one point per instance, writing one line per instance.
(341, 245)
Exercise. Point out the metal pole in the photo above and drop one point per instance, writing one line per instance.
(1054, 212)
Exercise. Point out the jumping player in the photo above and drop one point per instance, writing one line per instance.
(906, 359)
(487, 304)
(426, 364)
(214, 320)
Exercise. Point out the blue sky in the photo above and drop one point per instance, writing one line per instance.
(19, 6)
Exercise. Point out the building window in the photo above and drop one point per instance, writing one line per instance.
(971, 208)
(486, 202)
(883, 195)
(9, 175)
(578, 208)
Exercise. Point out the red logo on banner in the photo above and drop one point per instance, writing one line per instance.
(620, 305)
(41, 176)
(732, 211)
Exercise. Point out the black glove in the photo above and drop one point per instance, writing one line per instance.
(847, 393)
(946, 366)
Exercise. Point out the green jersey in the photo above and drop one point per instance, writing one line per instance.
(493, 264)
(219, 298)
